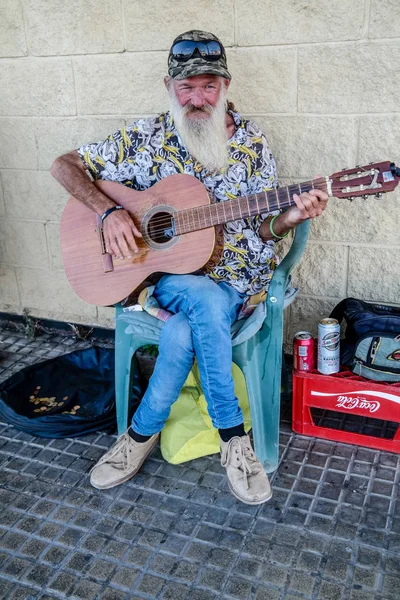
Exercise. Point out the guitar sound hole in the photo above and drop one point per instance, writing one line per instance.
(160, 228)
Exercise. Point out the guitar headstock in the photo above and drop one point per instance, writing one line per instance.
(375, 178)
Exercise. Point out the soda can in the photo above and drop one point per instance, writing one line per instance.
(328, 346)
(303, 351)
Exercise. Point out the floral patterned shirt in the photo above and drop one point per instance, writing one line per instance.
(150, 149)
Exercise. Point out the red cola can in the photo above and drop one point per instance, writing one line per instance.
(303, 351)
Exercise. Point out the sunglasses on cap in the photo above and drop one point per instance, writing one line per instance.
(210, 50)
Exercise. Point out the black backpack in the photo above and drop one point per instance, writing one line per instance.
(371, 347)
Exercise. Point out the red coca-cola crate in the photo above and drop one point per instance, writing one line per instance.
(347, 408)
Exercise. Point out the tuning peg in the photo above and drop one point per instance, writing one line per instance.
(364, 196)
(378, 195)
(345, 169)
(351, 198)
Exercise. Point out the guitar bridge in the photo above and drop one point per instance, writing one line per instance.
(107, 258)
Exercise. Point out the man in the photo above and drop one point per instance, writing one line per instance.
(202, 136)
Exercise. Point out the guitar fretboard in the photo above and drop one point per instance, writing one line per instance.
(210, 215)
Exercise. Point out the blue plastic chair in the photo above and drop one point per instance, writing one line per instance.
(257, 350)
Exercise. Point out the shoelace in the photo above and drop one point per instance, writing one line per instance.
(111, 453)
(244, 459)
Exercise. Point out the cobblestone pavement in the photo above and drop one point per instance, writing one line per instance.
(331, 531)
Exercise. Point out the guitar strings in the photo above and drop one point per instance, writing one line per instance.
(164, 221)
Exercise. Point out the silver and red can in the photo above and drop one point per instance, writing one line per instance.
(328, 346)
(303, 351)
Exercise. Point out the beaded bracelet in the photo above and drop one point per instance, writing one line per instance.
(109, 211)
(277, 237)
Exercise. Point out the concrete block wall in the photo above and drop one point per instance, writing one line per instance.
(322, 79)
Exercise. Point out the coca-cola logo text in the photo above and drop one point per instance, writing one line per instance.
(357, 402)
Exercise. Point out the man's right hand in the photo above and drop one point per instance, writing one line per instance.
(118, 228)
(119, 234)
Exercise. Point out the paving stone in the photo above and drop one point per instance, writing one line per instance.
(238, 588)
(112, 594)
(138, 556)
(79, 562)
(274, 574)
(198, 551)
(308, 561)
(197, 594)
(16, 566)
(365, 577)
(302, 582)
(335, 569)
(213, 579)
(330, 591)
(33, 548)
(23, 593)
(8, 518)
(101, 569)
(5, 588)
(86, 590)
(186, 570)
(55, 555)
(63, 583)
(150, 585)
(39, 575)
(264, 593)
(13, 541)
(391, 586)
(163, 564)
(125, 577)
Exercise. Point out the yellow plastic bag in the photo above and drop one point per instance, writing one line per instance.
(188, 432)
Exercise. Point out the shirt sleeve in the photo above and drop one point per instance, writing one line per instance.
(264, 176)
(104, 159)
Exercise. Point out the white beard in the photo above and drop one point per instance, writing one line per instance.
(206, 139)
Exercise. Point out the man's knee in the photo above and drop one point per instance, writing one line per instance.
(176, 335)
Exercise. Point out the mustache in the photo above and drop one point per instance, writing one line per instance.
(190, 108)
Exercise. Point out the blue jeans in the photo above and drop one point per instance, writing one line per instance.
(203, 314)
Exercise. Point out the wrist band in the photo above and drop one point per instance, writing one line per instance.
(276, 236)
(109, 211)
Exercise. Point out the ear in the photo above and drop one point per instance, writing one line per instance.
(227, 83)
(167, 81)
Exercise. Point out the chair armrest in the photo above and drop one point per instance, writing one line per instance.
(297, 248)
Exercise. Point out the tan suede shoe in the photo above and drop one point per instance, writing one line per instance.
(247, 479)
(121, 462)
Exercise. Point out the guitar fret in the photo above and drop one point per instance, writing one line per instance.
(177, 223)
(240, 208)
(300, 188)
(277, 198)
(205, 215)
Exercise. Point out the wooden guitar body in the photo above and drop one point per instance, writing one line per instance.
(101, 279)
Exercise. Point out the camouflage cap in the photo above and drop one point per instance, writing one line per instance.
(197, 65)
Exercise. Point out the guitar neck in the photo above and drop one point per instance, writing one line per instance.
(210, 215)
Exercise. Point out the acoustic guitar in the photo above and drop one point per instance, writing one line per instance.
(177, 220)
